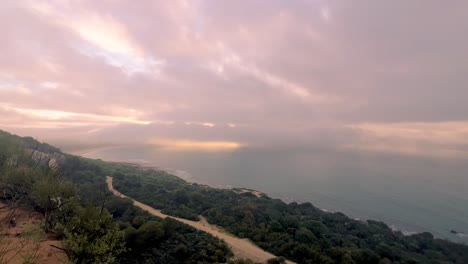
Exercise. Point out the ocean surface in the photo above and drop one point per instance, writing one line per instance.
(408, 193)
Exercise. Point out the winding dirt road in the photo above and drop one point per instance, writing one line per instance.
(242, 248)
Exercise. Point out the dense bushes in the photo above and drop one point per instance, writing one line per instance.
(31, 177)
(149, 239)
(91, 237)
(94, 224)
(300, 232)
(154, 240)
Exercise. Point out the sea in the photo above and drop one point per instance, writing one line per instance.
(410, 194)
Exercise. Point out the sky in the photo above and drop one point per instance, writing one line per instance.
(364, 76)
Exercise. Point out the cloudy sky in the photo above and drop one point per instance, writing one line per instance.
(379, 76)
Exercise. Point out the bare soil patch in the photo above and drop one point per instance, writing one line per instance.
(23, 241)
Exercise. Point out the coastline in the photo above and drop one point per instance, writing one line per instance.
(400, 226)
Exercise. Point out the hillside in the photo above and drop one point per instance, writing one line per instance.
(23, 241)
(93, 226)
(300, 232)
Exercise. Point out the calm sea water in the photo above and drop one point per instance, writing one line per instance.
(408, 193)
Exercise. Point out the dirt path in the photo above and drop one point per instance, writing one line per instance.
(242, 248)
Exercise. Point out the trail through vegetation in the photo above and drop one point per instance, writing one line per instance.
(242, 248)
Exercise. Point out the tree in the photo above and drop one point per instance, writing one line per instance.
(117, 206)
(170, 226)
(138, 221)
(55, 198)
(304, 235)
(181, 197)
(90, 237)
(149, 232)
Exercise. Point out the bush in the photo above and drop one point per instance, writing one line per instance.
(90, 237)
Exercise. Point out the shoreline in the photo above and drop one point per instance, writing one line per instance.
(286, 199)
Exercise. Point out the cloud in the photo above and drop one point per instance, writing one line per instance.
(105, 33)
(286, 73)
(276, 82)
(110, 41)
(46, 118)
(432, 139)
(50, 85)
(103, 36)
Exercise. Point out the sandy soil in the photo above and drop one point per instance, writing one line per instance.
(18, 242)
(242, 248)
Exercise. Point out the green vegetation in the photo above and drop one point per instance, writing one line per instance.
(30, 177)
(300, 232)
(153, 240)
(97, 227)
(149, 239)
(92, 238)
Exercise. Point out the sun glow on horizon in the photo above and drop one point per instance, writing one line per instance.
(48, 118)
(174, 144)
(425, 139)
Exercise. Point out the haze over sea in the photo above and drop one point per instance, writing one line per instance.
(411, 194)
(356, 106)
